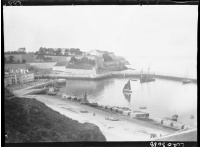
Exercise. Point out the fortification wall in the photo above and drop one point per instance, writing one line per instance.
(16, 66)
(43, 65)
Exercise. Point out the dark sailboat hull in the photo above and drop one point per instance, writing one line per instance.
(186, 81)
(144, 80)
(127, 91)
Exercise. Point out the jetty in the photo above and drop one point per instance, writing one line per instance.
(112, 74)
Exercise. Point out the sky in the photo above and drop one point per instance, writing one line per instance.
(148, 31)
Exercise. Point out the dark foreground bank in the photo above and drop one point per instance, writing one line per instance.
(28, 120)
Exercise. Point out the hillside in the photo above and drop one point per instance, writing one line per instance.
(28, 120)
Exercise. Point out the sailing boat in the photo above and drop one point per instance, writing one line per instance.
(146, 78)
(84, 101)
(127, 87)
(186, 80)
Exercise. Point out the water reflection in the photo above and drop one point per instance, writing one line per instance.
(127, 97)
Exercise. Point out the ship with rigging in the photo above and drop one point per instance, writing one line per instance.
(127, 87)
(186, 80)
(146, 78)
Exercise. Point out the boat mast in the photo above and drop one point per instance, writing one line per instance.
(129, 85)
(141, 73)
(148, 72)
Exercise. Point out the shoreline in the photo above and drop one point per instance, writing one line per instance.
(71, 110)
(126, 129)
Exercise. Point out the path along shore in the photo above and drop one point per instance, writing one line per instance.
(126, 129)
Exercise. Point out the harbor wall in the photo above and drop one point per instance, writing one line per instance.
(43, 65)
(114, 75)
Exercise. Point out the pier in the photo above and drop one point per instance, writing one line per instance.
(113, 74)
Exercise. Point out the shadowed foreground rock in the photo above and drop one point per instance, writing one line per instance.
(28, 120)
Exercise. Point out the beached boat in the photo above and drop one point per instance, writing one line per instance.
(175, 117)
(61, 80)
(186, 80)
(127, 87)
(51, 93)
(83, 111)
(143, 107)
(139, 114)
(146, 78)
(112, 118)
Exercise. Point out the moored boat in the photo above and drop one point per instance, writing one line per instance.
(61, 80)
(147, 77)
(112, 118)
(186, 80)
(127, 87)
(51, 93)
(143, 107)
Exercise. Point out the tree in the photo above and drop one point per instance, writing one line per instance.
(18, 61)
(51, 51)
(58, 52)
(42, 50)
(66, 52)
(75, 51)
(23, 61)
(107, 58)
(73, 60)
(5, 59)
(11, 58)
(47, 58)
(40, 57)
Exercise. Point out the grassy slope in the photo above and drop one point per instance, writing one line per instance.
(29, 120)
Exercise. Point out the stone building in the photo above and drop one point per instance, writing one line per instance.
(17, 77)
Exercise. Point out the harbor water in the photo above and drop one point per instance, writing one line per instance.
(162, 98)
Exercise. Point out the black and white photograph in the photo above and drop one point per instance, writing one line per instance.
(100, 73)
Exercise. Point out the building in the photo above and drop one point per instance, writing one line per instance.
(101, 53)
(22, 49)
(77, 65)
(17, 77)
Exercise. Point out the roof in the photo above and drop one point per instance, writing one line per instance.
(61, 63)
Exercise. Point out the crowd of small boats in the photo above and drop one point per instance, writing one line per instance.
(125, 111)
(122, 110)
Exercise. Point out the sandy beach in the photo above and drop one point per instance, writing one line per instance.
(126, 129)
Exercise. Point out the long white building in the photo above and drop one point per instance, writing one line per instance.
(18, 76)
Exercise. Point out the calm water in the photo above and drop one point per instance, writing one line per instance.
(163, 98)
(175, 66)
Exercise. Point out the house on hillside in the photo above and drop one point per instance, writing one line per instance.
(101, 53)
(18, 76)
(22, 49)
(76, 67)
(93, 53)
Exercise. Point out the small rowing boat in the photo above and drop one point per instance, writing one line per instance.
(112, 118)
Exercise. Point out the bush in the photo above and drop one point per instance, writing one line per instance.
(29, 120)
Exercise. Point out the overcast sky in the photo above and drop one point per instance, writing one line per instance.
(126, 30)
